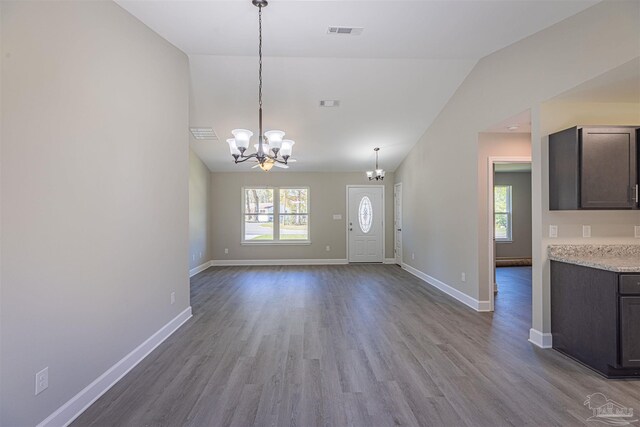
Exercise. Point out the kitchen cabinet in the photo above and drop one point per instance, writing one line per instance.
(593, 168)
(595, 318)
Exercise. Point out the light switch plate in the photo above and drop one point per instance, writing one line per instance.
(586, 231)
(553, 231)
(636, 231)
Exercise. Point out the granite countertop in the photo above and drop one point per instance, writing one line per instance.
(617, 258)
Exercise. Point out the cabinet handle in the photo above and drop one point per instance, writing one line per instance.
(636, 200)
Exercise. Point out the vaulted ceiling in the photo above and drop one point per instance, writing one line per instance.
(392, 80)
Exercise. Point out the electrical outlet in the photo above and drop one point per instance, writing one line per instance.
(586, 231)
(337, 216)
(328, 248)
(226, 250)
(636, 231)
(463, 277)
(173, 297)
(553, 231)
(413, 256)
(42, 380)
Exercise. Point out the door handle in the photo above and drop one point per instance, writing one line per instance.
(399, 229)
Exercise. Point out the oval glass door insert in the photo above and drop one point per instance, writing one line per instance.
(365, 214)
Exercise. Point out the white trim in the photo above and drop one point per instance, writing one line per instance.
(542, 340)
(491, 161)
(449, 290)
(200, 268)
(301, 261)
(68, 412)
(389, 261)
(384, 223)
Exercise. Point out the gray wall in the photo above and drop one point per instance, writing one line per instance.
(94, 194)
(200, 208)
(441, 202)
(327, 197)
(520, 246)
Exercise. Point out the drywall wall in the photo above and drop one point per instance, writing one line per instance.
(520, 246)
(440, 201)
(492, 144)
(200, 208)
(94, 195)
(327, 197)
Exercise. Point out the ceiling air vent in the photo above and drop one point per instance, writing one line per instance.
(347, 31)
(204, 134)
(330, 103)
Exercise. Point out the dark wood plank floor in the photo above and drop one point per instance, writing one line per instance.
(357, 345)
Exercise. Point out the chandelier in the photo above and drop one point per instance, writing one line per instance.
(377, 174)
(271, 149)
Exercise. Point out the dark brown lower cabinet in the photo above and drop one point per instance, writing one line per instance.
(630, 331)
(595, 318)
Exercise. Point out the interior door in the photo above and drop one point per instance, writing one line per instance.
(366, 224)
(397, 219)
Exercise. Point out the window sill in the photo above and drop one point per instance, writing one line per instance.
(277, 243)
(504, 241)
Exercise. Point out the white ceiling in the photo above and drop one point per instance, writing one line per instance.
(622, 84)
(521, 120)
(392, 80)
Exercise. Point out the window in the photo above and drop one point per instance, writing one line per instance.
(502, 212)
(275, 215)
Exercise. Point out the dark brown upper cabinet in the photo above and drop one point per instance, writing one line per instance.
(594, 168)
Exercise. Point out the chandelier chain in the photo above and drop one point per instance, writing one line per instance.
(260, 55)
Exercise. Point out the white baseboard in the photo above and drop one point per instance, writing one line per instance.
(68, 412)
(389, 261)
(198, 269)
(449, 290)
(541, 339)
(232, 262)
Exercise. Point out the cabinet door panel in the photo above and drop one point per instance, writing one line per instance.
(630, 332)
(608, 168)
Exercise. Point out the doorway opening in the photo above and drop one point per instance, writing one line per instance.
(510, 253)
(397, 222)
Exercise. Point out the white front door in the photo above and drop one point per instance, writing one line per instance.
(366, 224)
(397, 222)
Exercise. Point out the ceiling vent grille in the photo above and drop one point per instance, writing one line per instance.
(330, 103)
(204, 134)
(347, 31)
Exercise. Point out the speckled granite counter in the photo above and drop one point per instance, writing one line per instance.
(617, 258)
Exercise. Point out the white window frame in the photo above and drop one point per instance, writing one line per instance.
(276, 216)
(509, 213)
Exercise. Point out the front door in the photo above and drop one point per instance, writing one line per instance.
(366, 224)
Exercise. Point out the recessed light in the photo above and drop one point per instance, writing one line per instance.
(330, 103)
(203, 133)
(513, 127)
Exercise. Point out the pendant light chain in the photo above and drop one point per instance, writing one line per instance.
(260, 74)
(272, 149)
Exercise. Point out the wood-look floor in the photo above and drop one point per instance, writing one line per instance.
(361, 345)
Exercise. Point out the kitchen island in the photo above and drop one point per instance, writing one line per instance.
(595, 306)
